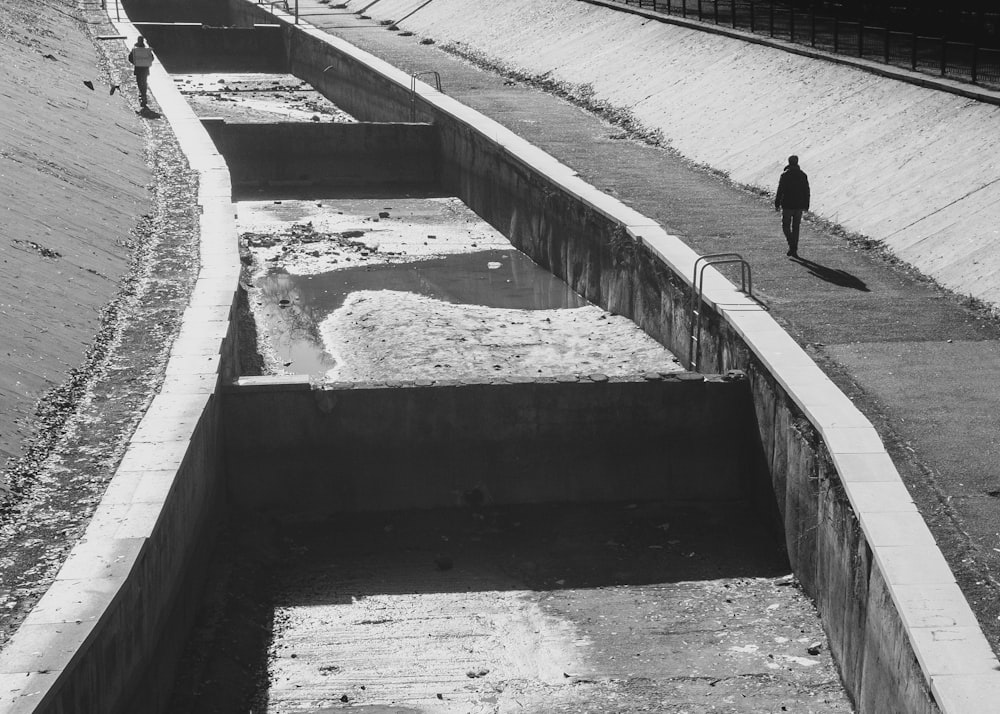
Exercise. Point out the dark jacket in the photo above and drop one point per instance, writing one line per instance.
(793, 190)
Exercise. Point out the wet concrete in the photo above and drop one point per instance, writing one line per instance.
(293, 305)
(622, 608)
(406, 288)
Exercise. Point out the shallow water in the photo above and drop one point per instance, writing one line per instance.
(293, 306)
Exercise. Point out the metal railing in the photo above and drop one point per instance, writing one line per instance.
(413, 89)
(697, 291)
(283, 4)
(968, 48)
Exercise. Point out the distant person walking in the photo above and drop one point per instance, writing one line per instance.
(141, 58)
(792, 199)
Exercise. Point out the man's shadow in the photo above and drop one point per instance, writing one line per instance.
(832, 275)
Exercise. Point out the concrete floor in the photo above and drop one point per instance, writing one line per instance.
(256, 98)
(400, 288)
(617, 607)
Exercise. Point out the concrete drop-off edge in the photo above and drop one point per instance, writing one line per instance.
(125, 594)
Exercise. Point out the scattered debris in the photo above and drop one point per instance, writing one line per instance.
(38, 248)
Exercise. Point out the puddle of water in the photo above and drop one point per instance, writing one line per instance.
(291, 307)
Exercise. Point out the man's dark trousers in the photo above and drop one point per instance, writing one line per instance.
(141, 81)
(791, 219)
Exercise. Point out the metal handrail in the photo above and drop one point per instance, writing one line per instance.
(697, 290)
(413, 89)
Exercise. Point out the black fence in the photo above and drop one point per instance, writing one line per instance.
(947, 41)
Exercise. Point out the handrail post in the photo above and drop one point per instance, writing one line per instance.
(697, 289)
(413, 89)
(812, 24)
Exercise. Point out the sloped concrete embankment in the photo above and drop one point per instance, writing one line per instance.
(107, 634)
(899, 163)
(903, 634)
(74, 191)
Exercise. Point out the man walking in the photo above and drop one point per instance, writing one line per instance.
(792, 198)
(141, 58)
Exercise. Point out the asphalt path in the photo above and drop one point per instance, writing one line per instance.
(919, 361)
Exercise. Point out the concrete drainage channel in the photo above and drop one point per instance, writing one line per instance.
(482, 481)
(514, 534)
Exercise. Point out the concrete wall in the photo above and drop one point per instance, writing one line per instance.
(330, 154)
(208, 12)
(904, 636)
(384, 447)
(196, 48)
(360, 89)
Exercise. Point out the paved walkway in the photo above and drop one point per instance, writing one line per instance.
(920, 364)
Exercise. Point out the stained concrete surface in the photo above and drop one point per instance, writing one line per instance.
(256, 97)
(622, 607)
(399, 288)
(840, 293)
